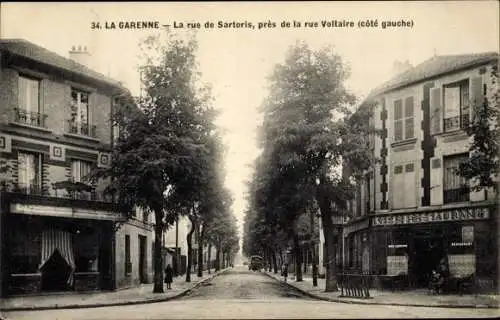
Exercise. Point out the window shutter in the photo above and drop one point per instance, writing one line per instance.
(476, 84)
(436, 183)
(398, 187)
(436, 123)
(409, 186)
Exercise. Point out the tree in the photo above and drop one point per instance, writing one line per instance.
(155, 163)
(309, 129)
(482, 166)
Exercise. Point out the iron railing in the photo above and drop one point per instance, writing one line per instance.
(458, 122)
(81, 128)
(354, 285)
(36, 119)
(456, 195)
(39, 190)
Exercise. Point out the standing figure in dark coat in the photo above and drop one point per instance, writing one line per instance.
(168, 276)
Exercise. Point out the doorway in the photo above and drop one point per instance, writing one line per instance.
(428, 250)
(143, 277)
(55, 273)
(106, 260)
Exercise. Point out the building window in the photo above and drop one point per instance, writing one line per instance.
(80, 169)
(403, 119)
(128, 263)
(456, 106)
(28, 110)
(79, 117)
(29, 173)
(456, 188)
(403, 186)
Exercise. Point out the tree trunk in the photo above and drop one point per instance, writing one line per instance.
(298, 258)
(275, 264)
(304, 259)
(209, 254)
(158, 259)
(314, 269)
(330, 254)
(189, 239)
(200, 250)
(217, 258)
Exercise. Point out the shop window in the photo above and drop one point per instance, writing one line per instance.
(25, 247)
(86, 252)
(29, 172)
(455, 187)
(456, 105)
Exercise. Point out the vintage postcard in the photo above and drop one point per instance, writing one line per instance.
(249, 160)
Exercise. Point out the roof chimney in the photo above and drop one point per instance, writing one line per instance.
(398, 67)
(81, 55)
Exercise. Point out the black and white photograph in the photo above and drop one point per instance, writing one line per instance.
(249, 160)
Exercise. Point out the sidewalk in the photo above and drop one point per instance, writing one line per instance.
(417, 298)
(137, 295)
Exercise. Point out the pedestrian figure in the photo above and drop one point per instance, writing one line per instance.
(436, 283)
(285, 271)
(168, 276)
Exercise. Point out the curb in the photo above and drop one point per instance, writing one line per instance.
(340, 300)
(113, 304)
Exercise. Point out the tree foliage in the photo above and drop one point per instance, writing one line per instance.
(163, 159)
(483, 165)
(309, 130)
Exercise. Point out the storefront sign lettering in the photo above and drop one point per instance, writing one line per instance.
(432, 216)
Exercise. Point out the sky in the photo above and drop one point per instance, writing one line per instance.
(236, 62)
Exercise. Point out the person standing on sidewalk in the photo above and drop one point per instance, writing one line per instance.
(168, 276)
(285, 271)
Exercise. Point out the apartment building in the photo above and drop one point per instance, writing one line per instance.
(412, 211)
(59, 232)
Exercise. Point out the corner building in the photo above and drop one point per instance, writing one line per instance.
(59, 233)
(412, 210)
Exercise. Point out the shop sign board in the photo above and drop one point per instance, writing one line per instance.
(456, 214)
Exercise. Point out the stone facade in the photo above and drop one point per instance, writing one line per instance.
(403, 209)
(41, 128)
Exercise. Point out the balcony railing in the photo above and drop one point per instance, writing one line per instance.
(458, 122)
(81, 128)
(38, 190)
(456, 195)
(31, 189)
(36, 119)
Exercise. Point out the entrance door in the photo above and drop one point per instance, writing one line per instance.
(56, 273)
(106, 260)
(142, 260)
(427, 251)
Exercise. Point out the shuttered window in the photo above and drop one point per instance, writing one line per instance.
(403, 186)
(403, 119)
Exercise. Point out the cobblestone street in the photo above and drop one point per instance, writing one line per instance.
(240, 294)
